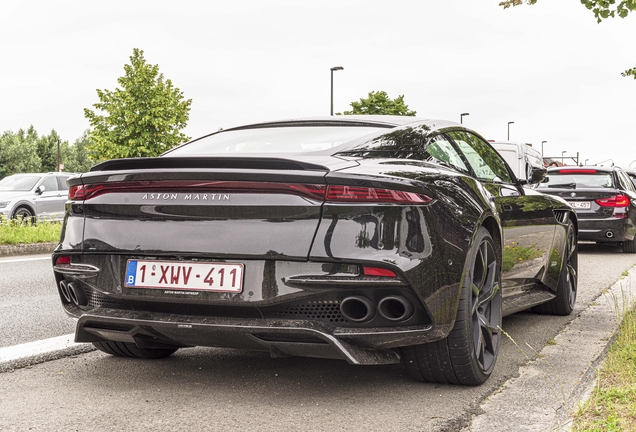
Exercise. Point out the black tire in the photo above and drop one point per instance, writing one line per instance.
(469, 353)
(629, 246)
(128, 349)
(25, 214)
(563, 303)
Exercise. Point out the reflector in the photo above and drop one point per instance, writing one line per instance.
(63, 259)
(378, 271)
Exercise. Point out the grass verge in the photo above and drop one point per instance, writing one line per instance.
(612, 404)
(13, 232)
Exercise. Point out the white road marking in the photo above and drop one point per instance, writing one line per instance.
(25, 259)
(40, 347)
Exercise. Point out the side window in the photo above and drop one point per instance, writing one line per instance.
(483, 159)
(625, 181)
(442, 150)
(61, 183)
(50, 184)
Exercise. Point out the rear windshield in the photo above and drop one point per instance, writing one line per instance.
(288, 139)
(579, 179)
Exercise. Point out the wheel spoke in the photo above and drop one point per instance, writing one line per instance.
(483, 255)
(489, 295)
(486, 343)
(474, 303)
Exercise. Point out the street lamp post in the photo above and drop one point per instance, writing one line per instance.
(542, 142)
(461, 117)
(563, 154)
(586, 162)
(335, 68)
(509, 123)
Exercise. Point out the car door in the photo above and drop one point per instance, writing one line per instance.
(527, 217)
(50, 203)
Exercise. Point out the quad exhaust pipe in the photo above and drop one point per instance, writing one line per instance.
(359, 309)
(73, 293)
(395, 308)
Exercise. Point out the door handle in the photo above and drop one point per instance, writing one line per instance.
(507, 207)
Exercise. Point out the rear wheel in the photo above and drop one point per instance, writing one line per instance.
(469, 353)
(563, 303)
(629, 246)
(128, 349)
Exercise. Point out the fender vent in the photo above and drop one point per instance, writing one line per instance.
(562, 216)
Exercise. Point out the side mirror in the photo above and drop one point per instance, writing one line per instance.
(537, 175)
(40, 189)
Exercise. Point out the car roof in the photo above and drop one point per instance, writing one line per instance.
(370, 120)
(41, 174)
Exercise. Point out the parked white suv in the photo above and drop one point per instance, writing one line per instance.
(521, 157)
(35, 195)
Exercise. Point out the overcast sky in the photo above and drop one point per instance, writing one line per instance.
(550, 68)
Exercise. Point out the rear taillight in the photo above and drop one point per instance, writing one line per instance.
(355, 194)
(348, 194)
(85, 192)
(615, 201)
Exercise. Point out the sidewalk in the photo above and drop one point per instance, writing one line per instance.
(26, 249)
(549, 390)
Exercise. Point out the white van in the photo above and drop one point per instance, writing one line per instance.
(521, 157)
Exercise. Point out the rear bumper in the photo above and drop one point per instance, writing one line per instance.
(606, 230)
(369, 346)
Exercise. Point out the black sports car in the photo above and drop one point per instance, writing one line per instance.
(370, 239)
(604, 199)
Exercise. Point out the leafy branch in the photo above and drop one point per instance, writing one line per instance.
(602, 9)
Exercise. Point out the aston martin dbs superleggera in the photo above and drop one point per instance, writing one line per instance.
(372, 239)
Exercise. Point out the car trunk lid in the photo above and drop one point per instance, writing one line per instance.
(214, 207)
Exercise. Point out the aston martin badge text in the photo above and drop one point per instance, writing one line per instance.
(186, 197)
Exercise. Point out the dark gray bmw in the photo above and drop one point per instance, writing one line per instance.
(603, 197)
(370, 239)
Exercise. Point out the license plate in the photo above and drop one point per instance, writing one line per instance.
(584, 205)
(180, 275)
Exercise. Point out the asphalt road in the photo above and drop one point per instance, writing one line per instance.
(219, 389)
(30, 307)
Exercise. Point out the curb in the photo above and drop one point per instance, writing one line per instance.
(26, 249)
(32, 353)
(548, 390)
(12, 358)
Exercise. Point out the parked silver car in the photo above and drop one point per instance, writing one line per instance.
(34, 195)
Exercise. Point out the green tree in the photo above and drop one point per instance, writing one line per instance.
(142, 118)
(76, 157)
(47, 150)
(19, 152)
(379, 103)
(602, 8)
